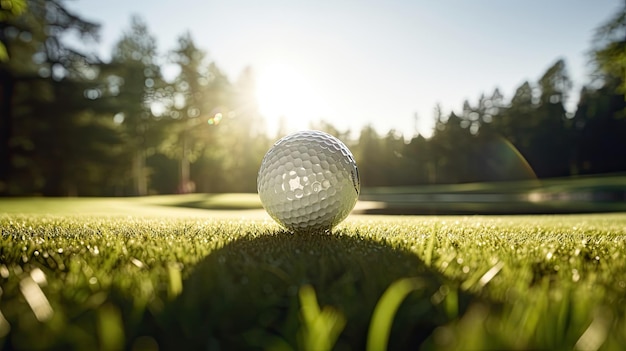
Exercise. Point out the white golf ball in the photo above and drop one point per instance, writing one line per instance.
(308, 181)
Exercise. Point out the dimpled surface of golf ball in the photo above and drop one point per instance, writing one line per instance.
(308, 181)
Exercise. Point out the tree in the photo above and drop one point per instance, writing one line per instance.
(10, 9)
(550, 149)
(49, 91)
(202, 100)
(368, 155)
(609, 53)
(450, 144)
(136, 84)
(394, 150)
(600, 130)
(421, 166)
(241, 139)
(600, 119)
(516, 123)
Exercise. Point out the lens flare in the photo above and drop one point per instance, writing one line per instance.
(497, 159)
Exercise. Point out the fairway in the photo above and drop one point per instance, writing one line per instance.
(211, 272)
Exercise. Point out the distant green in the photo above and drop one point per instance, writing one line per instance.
(148, 273)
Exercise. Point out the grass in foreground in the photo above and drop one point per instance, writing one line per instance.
(98, 281)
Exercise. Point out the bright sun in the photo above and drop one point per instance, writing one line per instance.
(284, 92)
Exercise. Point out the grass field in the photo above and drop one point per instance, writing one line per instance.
(193, 272)
(583, 194)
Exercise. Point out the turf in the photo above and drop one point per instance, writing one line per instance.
(145, 273)
(583, 194)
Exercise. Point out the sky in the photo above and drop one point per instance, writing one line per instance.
(380, 63)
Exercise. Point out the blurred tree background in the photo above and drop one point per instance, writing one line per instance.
(73, 125)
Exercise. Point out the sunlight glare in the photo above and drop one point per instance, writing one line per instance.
(284, 92)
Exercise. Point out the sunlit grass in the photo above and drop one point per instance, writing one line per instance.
(385, 311)
(134, 278)
(168, 205)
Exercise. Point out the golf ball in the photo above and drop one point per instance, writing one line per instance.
(308, 181)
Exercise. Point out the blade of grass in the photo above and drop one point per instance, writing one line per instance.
(385, 310)
(430, 246)
(110, 328)
(175, 286)
(321, 326)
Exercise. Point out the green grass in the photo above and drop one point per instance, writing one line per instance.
(583, 194)
(573, 183)
(136, 273)
(150, 205)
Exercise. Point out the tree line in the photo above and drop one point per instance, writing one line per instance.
(73, 124)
